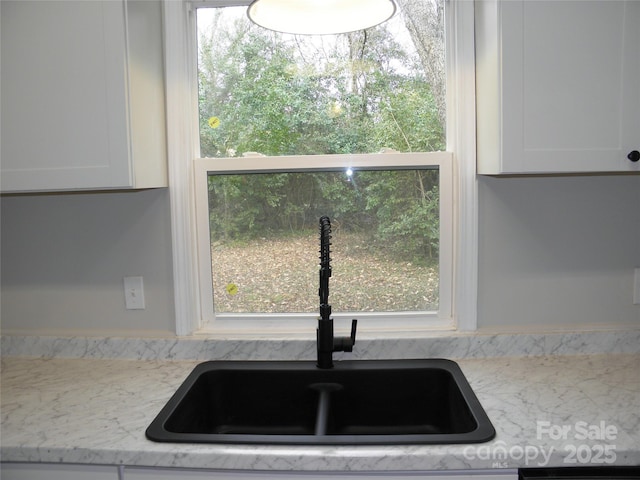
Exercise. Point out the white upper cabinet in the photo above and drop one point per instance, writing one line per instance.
(558, 86)
(82, 95)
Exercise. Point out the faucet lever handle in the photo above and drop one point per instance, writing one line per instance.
(354, 326)
(346, 343)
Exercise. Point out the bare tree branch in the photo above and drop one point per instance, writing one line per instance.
(424, 20)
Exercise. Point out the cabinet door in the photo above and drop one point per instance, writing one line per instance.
(64, 108)
(43, 471)
(558, 86)
(133, 473)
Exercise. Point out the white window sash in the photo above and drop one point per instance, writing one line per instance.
(267, 324)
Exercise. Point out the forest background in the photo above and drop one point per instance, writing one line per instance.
(278, 94)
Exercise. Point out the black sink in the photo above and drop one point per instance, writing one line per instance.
(356, 402)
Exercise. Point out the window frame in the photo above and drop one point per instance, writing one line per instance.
(182, 126)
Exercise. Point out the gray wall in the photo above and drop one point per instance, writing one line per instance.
(556, 252)
(64, 257)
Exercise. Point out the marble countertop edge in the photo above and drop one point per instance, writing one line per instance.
(409, 458)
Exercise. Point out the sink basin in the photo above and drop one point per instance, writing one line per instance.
(356, 402)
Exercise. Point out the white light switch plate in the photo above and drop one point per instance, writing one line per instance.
(134, 293)
(636, 286)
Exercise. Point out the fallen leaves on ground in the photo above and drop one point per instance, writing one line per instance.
(281, 275)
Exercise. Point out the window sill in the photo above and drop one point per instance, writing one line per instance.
(303, 326)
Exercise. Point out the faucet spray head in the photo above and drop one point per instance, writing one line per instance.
(325, 266)
(326, 343)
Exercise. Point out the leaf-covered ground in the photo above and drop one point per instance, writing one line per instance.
(281, 275)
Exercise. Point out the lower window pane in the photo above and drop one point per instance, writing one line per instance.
(385, 240)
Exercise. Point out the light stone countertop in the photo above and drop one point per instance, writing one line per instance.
(95, 411)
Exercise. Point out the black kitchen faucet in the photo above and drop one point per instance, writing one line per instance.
(326, 342)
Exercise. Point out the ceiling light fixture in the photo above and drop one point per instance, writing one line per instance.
(320, 17)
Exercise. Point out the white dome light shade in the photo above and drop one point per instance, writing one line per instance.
(320, 17)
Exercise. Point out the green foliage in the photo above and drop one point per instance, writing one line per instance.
(406, 207)
(398, 209)
(284, 95)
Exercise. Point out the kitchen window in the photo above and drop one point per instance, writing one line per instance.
(352, 126)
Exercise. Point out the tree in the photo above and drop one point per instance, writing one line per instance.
(354, 93)
(425, 22)
(278, 94)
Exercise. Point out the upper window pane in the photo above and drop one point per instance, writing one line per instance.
(279, 94)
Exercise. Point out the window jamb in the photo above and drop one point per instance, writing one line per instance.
(179, 25)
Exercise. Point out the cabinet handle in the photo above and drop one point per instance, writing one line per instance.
(634, 156)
